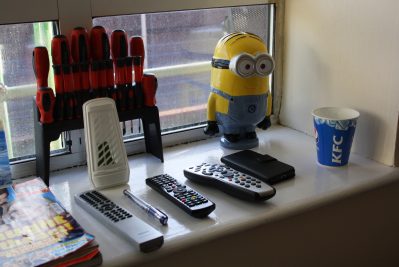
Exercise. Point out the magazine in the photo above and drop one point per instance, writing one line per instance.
(35, 229)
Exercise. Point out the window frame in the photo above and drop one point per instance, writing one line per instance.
(68, 17)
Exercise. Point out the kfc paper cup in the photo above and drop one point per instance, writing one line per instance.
(334, 129)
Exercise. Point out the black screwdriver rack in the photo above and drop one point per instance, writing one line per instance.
(46, 133)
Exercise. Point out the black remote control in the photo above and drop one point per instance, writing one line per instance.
(183, 196)
(230, 181)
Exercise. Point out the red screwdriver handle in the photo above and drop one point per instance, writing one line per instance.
(129, 82)
(99, 50)
(45, 99)
(103, 78)
(120, 82)
(138, 69)
(129, 70)
(81, 56)
(62, 55)
(94, 79)
(59, 57)
(150, 86)
(77, 94)
(70, 103)
(85, 76)
(57, 61)
(118, 44)
(60, 50)
(137, 48)
(58, 81)
(59, 90)
(80, 45)
(138, 53)
(98, 43)
(119, 71)
(56, 49)
(81, 59)
(110, 79)
(119, 51)
(41, 65)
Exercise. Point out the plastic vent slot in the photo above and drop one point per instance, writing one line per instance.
(104, 155)
(106, 140)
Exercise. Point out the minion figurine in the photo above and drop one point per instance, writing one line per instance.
(240, 99)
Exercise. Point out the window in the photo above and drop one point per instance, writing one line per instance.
(19, 84)
(179, 46)
(179, 38)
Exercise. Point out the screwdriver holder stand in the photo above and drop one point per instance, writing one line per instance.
(46, 133)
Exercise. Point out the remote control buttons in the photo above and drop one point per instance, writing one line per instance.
(230, 181)
(191, 198)
(105, 206)
(231, 175)
(179, 189)
(118, 214)
(183, 196)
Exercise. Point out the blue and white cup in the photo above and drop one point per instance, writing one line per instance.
(334, 130)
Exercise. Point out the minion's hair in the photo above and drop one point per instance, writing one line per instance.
(232, 37)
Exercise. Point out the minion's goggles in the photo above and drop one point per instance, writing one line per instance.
(245, 65)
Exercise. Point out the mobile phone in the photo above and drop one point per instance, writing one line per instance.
(264, 167)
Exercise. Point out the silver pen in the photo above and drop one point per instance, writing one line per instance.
(153, 212)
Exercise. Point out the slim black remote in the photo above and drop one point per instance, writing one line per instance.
(183, 196)
(230, 181)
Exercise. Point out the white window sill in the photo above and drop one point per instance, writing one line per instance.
(312, 186)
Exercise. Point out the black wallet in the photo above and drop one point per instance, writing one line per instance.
(263, 167)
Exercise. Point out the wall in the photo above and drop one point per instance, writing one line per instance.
(344, 53)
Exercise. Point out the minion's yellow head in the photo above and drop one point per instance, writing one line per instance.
(241, 65)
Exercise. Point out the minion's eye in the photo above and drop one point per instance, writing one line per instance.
(245, 67)
(264, 65)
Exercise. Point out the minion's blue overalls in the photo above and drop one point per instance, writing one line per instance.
(244, 112)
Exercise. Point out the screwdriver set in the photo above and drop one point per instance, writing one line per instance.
(91, 65)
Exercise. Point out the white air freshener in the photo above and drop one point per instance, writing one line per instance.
(106, 155)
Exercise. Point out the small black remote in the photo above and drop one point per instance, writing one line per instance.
(230, 181)
(183, 196)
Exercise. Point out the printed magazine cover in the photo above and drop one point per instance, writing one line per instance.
(34, 227)
(5, 172)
